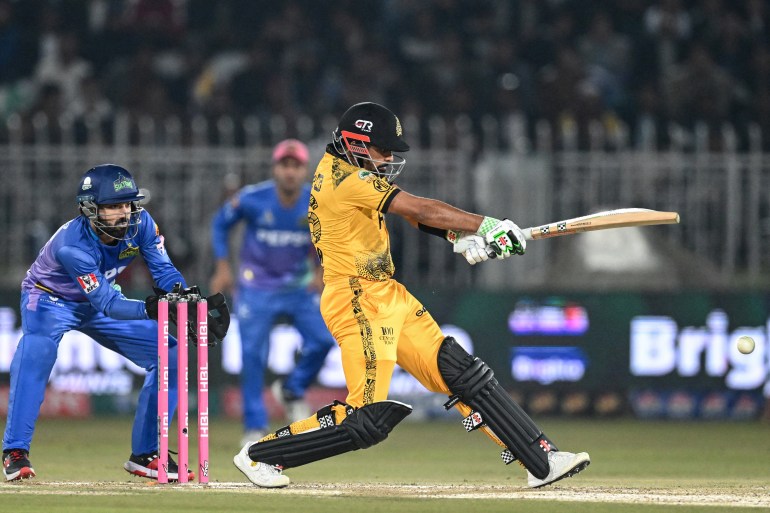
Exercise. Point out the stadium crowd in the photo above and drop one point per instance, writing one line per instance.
(565, 61)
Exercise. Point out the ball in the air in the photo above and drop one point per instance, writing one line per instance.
(745, 344)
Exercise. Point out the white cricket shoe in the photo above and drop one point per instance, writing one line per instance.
(563, 464)
(261, 474)
(252, 436)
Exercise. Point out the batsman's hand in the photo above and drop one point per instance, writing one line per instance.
(473, 248)
(505, 239)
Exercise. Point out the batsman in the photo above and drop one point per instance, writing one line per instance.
(377, 323)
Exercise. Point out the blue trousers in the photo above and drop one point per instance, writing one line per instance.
(44, 321)
(257, 311)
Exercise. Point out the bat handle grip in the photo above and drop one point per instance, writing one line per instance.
(490, 252)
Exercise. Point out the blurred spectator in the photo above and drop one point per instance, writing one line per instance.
(670, 25)
(558, 59)
(125, 78)
(508, 79)
(41, 122)
(161, 22)
(758, 16)
(62, 65)
(248, 86)
(698, 89)
(10, 44)
(602, 46)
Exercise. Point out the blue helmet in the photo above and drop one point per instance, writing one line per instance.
(109, 184)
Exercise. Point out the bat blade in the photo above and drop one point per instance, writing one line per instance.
(605, 220)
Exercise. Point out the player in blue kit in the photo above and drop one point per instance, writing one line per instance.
(71, 286)
(278, 276)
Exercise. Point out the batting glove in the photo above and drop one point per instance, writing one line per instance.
(504, 238)
(472, 247)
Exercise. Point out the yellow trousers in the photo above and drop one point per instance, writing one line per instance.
(377, 325)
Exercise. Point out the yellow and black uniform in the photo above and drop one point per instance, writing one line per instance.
(375, 320)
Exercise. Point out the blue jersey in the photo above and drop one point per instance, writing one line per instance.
(276, 252)
(76, 266)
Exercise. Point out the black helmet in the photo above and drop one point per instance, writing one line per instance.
(370, 124)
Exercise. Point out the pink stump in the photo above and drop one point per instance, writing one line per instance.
(183, 389)
(203, 392)
(163, 415)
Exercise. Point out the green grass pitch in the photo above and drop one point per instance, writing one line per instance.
(423, 467)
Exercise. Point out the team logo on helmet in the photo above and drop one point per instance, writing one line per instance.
(86, 183)
(122, 183)
(364, 125)
(398, 127)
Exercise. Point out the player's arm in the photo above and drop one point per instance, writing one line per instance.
(225, 218)
(469, 233)
(433, 214)
(152, 246)
(84, 270)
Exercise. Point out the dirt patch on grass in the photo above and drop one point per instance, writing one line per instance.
(750, 496)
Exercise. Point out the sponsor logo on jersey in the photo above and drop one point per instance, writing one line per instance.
(363, 174)
(88, 282)
(161, 245)
(283, 237)
(130, 251)
(381, 185)
(267, 218)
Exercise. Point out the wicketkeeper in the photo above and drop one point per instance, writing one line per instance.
(71, 286)
(377, 323)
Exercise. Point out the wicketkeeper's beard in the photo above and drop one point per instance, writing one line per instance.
(116, 231)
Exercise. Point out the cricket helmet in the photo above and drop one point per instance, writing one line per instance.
(109, 184)
(370, 124)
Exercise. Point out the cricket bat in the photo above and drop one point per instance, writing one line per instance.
(604, 220)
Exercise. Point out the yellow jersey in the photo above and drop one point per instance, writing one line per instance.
(346, 221)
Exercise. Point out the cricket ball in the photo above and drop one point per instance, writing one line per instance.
(745, 344)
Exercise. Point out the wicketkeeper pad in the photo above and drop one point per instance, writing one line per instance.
(360, 429)
(472, 381)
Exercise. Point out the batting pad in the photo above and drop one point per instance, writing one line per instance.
(472, 381)
(362, 428)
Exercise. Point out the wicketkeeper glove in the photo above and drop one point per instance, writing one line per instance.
(218, 317)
